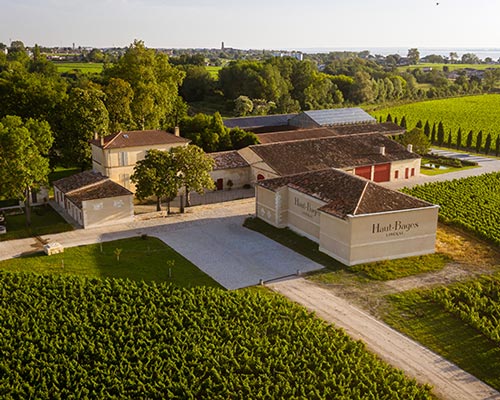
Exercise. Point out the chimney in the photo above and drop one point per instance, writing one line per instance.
(410, 148)
(102, 141)
(177, 131)
(381, 150)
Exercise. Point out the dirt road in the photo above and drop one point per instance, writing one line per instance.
(449, 381)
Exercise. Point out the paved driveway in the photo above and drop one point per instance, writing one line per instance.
(212, 237)
(234, 256)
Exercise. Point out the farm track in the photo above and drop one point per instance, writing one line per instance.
(449, 381)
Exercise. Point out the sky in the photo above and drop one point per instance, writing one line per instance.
(253, 24)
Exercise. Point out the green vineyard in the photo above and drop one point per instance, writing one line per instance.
(471, 203)
(477, 303)
(73, 338)
(470, 113)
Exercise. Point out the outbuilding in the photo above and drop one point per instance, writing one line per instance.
(353, 219)
(92, 199)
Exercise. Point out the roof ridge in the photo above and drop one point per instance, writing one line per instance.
(89, 185)
(112, 140)
(360, 198)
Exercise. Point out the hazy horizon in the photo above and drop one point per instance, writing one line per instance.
(260, 25)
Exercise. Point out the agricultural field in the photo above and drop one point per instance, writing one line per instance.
(476, 303)
(471, 203)
(451, 67)
(67, 337)
(470, 113)
(85, 68)
(459, 322)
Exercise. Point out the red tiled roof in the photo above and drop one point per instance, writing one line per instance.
(139, 138)
(346, 194)
(228, 160)
(295, 157)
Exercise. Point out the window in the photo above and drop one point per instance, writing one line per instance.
(396, 174)
(125, 180)
(413, 172)
(122, 158)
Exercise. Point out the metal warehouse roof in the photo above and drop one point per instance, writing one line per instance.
(258, 121)
(339, 116)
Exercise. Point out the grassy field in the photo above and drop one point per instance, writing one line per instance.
(214, 71)
(44, 220)
(86, 68)
(476, 113)
(451, 67)
(422, 319)
(381, 270)
(147, 259)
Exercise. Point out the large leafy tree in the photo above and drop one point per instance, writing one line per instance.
(23, 162)
(418, 139)
(194, 167)
(84, 115)
(153, 80)
(119, 95)
(157, 175)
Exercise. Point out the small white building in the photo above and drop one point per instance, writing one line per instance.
(92, 199)
(353, 220)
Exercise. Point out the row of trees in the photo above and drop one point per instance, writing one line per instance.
(437, 135)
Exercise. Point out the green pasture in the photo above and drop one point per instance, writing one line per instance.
(451, 67)
(85, 68)
(214, 71)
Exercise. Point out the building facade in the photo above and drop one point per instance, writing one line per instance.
(353, 220)
(91, 200)
(115, 156)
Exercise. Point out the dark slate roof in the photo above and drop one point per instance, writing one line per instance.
(228, 160)
(386, 128)
(77, 181)
(300, 134)
(340, 116)
(289, 158)
(139, 138)
(101, 190)
(258, 121)
(346, 194)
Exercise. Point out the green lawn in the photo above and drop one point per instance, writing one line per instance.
(86, 68)
(44, 220)
(381, 270)
(426, 322)
(62, 172)
(147, 259)
(436, 171)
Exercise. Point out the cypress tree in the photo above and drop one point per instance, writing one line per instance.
(380, 119)
(497, 146)
(440, 133)
(487, 144)
(468, 143)
(396, 120)
(449, 139)
(419, 124)
(433, 134)
(459, 138)
(479, 141)
(389, 118)
(403, 122)
(427, 129)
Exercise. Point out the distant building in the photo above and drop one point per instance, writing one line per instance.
(294, 54)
